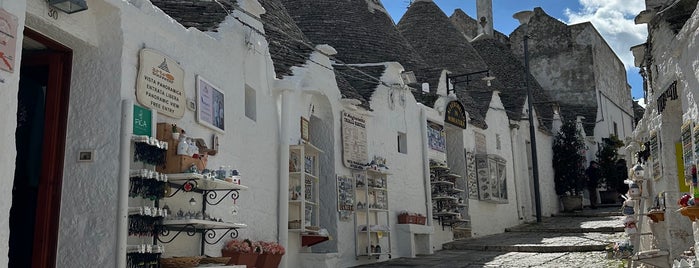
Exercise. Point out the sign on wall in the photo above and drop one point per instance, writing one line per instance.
(669, 94)
(455, 114)
(142, 121)
(655, 156)
(687, 148)
(210, 105)
(8, 40)
(345, 197)
(160, 84)
(436, 138)
(354, 140)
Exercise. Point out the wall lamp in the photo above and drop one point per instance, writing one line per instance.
(452, 79)
(68, 6)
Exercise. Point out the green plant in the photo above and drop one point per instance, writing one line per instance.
(607, 157)
(568, 160)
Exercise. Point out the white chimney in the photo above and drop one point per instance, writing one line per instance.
(485, 16)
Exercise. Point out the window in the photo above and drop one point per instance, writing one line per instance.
(497, 141)
(402, 143)
(615, 130)
(250, 103)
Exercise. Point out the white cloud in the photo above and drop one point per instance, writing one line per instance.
(614, 20)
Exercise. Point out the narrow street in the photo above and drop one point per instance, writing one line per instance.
(566, 240)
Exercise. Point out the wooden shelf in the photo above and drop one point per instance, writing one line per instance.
(204, 184)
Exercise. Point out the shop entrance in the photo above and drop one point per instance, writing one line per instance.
(42, 106)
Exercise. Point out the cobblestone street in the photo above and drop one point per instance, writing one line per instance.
(567, 240)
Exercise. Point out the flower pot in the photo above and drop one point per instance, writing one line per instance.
(691, 212)
(656, 216)
(571, 203)
(247, 259)
(268, 260)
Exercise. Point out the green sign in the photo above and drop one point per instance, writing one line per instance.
(142, 121)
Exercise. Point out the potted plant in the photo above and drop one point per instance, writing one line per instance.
(272, 253)
(568, 162)
(613, 169)
(242, 252)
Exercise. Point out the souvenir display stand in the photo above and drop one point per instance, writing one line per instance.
(151, 224)
(447, 199)
(372, 220)
(304, 202)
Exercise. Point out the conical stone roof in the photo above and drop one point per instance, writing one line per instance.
(205, 16)
(509, 71)
(432, 34)
(360, 30)
(288, 46)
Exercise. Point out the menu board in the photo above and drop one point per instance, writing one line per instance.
(354, 140)
(655, 156)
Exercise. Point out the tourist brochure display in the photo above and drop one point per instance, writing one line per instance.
(372, 219)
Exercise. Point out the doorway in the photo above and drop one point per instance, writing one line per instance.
(42, 107)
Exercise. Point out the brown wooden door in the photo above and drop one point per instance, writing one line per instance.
(51, 70)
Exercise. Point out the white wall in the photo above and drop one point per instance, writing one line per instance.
(8, 99)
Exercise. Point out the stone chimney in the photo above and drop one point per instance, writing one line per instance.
(485, 16)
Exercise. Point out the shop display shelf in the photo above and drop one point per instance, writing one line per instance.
(445, 214)
(204, 183)
(212, 231)
(450, 175)
(377, 172)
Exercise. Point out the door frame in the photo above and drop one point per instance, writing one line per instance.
(59, 59)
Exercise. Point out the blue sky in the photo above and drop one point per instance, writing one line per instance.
(612, 18)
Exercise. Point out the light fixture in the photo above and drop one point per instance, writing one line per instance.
(451, 79)
(68, 6)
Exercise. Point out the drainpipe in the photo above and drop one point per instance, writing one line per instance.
(426, 164)
(123, 186)
(514, 130)
(283, 195)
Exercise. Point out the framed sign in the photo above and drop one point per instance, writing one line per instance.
(210, 105)
(436, 139)
(455, 114)
(142, 121)
(160, 84)
(354, 140)
(304, 129)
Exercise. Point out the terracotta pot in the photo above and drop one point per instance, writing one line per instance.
(247, 259)
(691, 212)
(268, 261)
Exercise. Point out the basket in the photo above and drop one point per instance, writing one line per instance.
(214, 260)
(180, 262)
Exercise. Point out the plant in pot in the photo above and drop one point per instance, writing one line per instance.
(613, 170)
(242, 252)
(272, 253)
(568, 162)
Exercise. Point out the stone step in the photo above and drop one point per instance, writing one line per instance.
(605, 229)
(527, 248)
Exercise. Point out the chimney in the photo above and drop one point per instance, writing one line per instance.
(485, 16)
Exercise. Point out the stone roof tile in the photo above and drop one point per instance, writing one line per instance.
(288, 46)
(203, 15)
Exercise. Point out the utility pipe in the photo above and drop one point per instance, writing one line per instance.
(283, 195)
(123, 181)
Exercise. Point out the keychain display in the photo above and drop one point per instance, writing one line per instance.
(147, 184)
(149, 150)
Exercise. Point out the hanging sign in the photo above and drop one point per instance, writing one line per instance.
(670, 93)
(455, 114)
(142, 121)
(160, 84)
(8, 40)
(354, 140)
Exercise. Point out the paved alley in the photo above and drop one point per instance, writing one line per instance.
(566, 240)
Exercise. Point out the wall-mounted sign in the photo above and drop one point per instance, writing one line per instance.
(455, 114)
(354, 140)
(345, 197)
(160, 84)
(210, 105)
(142, 121)
(436, 138)
(655, 156)
(670, 93)
(304, 129)
(8, 40)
